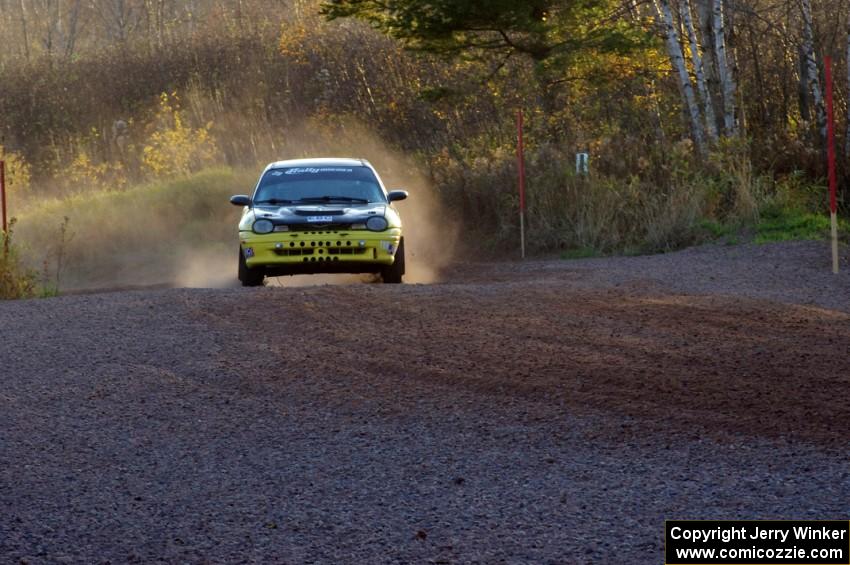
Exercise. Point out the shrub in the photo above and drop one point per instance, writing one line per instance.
(173, 148)
(103, 175)
(16, 280)
(18, 172)
(568, 211)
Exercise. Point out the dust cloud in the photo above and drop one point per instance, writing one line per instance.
(429, 235)
(183, 233)
(206, 268)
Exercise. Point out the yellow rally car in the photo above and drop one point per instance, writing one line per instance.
(312, 216)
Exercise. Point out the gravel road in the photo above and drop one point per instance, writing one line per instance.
(543, 412)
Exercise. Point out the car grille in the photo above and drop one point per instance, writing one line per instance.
(323, 250)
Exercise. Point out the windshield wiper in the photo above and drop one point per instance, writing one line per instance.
(334, 199)
(273, 201)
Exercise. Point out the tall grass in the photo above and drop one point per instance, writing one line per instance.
(662, 206)
(145, 234)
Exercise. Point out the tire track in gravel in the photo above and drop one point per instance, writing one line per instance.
(673, 362)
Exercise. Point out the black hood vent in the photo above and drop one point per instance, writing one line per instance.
(319, 212)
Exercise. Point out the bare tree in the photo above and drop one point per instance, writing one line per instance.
(727, 80)
(696, 58)
(847, 133)
(704, 11)
(26, 40)
(674, 50)
(56, 24)
(812, 67)
(118, 17)
(69, 35)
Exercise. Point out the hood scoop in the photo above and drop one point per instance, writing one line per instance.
(318, 210)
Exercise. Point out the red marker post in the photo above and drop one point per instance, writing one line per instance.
(521, 171)
(830, 156)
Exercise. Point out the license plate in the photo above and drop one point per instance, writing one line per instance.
(320, 219)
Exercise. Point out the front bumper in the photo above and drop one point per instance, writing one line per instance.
(320, 251)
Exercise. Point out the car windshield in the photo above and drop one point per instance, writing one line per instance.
(333, 184)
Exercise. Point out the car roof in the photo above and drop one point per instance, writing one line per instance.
(320, 162)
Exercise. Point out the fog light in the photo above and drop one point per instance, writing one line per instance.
(361, 243)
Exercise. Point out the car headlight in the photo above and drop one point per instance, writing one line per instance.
(263, 226)
(377, 223)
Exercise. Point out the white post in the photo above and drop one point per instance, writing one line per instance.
(582, 163)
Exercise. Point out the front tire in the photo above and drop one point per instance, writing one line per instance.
(394, 273)
(248, 276)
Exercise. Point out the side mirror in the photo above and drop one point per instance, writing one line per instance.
(240, 200)
(396, 195)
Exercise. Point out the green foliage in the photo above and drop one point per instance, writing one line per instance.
(789, 224)
(540, 29)
(524, 26)
(714, 229)
(579, 253)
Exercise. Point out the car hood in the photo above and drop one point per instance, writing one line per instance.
(320, 214)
